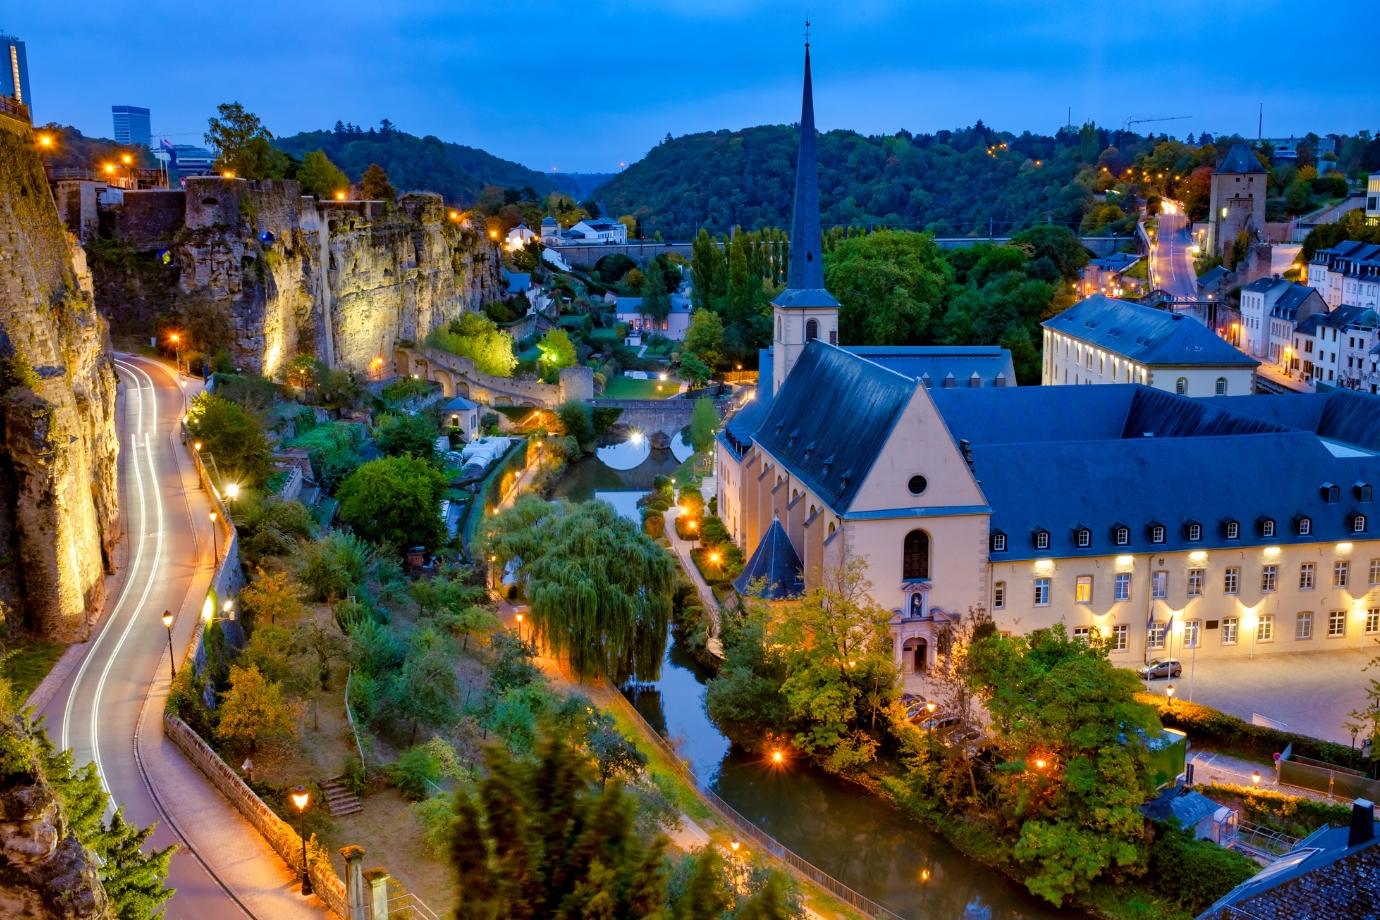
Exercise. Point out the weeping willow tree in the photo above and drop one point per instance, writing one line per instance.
(599, 589)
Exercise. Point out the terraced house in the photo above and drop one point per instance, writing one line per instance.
(1206, 528)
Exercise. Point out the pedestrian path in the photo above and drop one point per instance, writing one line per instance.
(682, 550)
(1214, 767)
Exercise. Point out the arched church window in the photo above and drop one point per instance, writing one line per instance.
(812, 330)
(915, 563)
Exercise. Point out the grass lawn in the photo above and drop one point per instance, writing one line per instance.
(602, 335)
(29, 664)
(629, 388)
(1136, 271)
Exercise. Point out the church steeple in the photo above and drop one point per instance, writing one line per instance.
(804, 311)
(807, 268)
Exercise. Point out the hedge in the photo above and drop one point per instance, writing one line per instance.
(1295, 815)
(603, 418)
(1218, 729)
(1195, 872)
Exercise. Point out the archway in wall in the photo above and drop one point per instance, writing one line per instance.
(446, 382)
(402, 361)
(503, 401)
(462, 389)
(916, 654)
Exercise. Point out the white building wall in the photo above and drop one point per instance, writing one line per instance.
(1070, 360)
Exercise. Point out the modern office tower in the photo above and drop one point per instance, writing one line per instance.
(132, 125)
(14, 70)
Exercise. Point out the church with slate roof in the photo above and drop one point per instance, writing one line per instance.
(1221, 526)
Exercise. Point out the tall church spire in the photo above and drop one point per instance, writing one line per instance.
(807, 267)
(804, 311)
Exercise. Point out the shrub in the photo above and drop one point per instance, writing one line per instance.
(233, 436)
(1294, 815)
(1218, 729)
(353, 776)
(336, 565)
(412, 772)
(577, 420)
(396, 500)
(405, 389)
(603, 417)
(654, 525)
(1195, 872)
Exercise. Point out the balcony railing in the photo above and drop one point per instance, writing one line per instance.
(15, 109)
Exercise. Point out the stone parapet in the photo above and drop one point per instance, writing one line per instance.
(285, 841)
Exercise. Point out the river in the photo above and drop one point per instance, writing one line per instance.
(853, 835)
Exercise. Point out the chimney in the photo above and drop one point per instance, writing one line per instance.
(1362, 823)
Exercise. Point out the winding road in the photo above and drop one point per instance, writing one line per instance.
(1171, 260)
(99, 709)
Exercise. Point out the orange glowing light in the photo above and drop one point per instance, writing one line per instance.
(777, 757)
(45, 140)
(109, 168)
(339, 196)
(127, 159)
(1039, 763)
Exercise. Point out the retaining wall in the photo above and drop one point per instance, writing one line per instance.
(285, 841)
(651, 415)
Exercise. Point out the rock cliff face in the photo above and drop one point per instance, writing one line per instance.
(277, 275)
(58, 499)
(45, 872)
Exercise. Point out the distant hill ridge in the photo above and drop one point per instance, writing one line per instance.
(459, 173)
(951, 182)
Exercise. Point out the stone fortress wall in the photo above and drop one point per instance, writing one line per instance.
(282, 274)
(59, 517)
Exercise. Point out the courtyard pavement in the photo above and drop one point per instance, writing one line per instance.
(1310, 692)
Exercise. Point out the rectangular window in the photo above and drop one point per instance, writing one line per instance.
(1123, 586)
(1082, 632)
(1303, 626)
(1336, 623)
(1157, 635)
(1339, 574)
(1157, 534)
(1191, 633)
(1159, 585)
(999, 595)
(1042, 592)
(1121, 638)
(1265, 628)
(1229, 631)
(1267, 528)
(1083, 592)
(1231, 580)
(1373, 621)
(1084, 538)
(1042, 540)
(999, 543)
(1195, 582)
(1268, 577)
(1375, 571)
(1306, 577)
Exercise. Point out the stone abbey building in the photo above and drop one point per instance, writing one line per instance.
(1206, 528)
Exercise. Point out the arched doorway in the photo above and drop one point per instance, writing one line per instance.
(916, 654)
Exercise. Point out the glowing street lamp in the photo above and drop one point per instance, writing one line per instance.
(177, 349)
(168, 621)
(1169, 692)
(215, 537)
(300, 798)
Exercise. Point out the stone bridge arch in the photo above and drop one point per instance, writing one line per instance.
(447, 382)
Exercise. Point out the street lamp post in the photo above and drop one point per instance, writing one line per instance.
(215, 541)
(177, 350)
(1169, 692)
(300, 798)
(172, 664)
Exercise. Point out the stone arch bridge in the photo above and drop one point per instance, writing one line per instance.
(458, 377)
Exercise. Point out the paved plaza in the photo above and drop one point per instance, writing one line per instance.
(1312, 693)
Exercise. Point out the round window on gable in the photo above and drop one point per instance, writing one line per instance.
(917, 485)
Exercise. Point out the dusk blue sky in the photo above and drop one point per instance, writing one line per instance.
(583, 86)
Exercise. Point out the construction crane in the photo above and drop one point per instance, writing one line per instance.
(1133, 120)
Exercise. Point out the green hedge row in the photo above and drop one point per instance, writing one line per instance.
(1218, 729)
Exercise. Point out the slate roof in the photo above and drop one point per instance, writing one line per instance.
(1049, 462)
(1350, 249)
(517, 281)
(1146, 335)
(737, 434)
(1323, 849)
(1180, 806)
(632, 306)
(1348, 416)
(831, 417)
(1213, 275)
(459, 404)
(1287, 306)
(776, 564)
(1239, 159)
(939, 361)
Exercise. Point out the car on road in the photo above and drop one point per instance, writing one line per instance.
(940, 723)
(1161, 668)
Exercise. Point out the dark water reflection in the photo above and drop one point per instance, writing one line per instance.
(589, 475)
(844, 830)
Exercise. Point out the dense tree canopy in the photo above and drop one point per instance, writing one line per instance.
(396, 499)
(888, 284)
(233, 437)
(474, 335)
(599, 588)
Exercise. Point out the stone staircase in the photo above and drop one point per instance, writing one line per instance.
(340, 800)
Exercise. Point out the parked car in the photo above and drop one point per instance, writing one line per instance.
(1158, 668)
(940, 723)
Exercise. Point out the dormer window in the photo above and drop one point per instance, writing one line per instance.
(1331, 493)
(1362, 491)
(1083, 537)
(1194, 531)
(1304, 525)
(1041, 539)
(998, 541)
(1357, 522)
(1232, 530)
(1156, 532)
(1267, 526)
(1122, 535)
